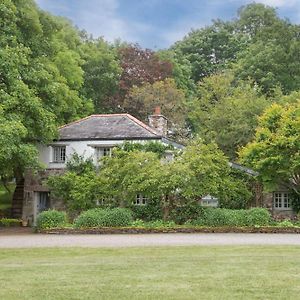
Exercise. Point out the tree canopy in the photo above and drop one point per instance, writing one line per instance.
(275, 151)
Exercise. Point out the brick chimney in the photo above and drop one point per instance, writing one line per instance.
(158, 122)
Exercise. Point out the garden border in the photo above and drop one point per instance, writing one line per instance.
(137, 230)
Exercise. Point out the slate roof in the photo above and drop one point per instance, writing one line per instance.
(107, 127)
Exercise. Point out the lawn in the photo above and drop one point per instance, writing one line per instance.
(151, 273)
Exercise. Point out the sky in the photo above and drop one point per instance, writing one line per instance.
(154, 24)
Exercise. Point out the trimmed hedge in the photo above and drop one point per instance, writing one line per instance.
(6, 222)
(218, 217)
(51, 219)
(99, 217)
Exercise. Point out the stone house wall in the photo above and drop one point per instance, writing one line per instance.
(33, 185)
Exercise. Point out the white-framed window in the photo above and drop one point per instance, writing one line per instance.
(59, 154)
(140, 200)
(102, 152)
(209, 200)
(281, 201)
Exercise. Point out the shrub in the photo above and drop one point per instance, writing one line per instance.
(286, 223)
(187, 212)
(9, 222)
(137, 223)
(160, 224)
(99, 217)
(218, 217)
(51, 219)
(117, 217)
(150, 212)
(258, 216)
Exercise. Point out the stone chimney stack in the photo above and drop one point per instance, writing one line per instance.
(158, 122)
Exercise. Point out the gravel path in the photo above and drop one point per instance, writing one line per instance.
(142, 240)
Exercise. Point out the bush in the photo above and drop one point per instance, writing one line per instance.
(258, 216)
(51, 219)
(187, 212)
(99, 217)
(5, 222)
(218, 217)
(150, 212)
(286, 223)
(160, 224)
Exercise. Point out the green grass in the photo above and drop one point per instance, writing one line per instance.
(5, 197)
(151, 273)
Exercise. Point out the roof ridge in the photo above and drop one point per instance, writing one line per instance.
(132, 118)
(90, 116)
(74, 122)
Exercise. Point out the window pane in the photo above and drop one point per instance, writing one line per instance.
(59, 153)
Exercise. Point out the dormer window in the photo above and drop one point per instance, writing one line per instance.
(59, 154)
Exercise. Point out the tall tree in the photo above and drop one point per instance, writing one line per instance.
(275, 151)
(210, 49)
(226, 113)
(39, 74)
(101, 73)
(139, 66)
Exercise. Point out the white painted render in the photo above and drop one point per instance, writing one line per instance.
(87, 149)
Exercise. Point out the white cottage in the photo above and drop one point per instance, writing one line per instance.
(91, 137)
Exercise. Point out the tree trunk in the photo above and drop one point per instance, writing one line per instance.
(166, 208)
(18, 196)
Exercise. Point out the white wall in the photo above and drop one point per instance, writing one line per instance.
(84, 148)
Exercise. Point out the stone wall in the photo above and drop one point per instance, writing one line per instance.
(35, 181)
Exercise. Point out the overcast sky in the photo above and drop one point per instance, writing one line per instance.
(154, 24)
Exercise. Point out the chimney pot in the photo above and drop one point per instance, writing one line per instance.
(157, 110)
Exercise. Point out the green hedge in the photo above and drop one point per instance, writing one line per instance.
(5, 222)
(218, 217)
(51, 219)
(150, 212)
(99, 217)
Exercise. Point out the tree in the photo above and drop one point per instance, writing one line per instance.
(40, 75)
(126, 174)
(226, 112)
(272, 58)
(181, 71)
(101, 73)
(77, 186)
(53, 70)
(139, 66)
(210, 49)
(23, 116)
(274, 153)
(140, 101)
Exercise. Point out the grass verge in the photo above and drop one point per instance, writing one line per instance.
(221, 272)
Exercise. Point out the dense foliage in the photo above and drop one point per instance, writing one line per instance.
(51, 219)
(275, 152)
(98, 217)
(199, 170)
(218, 217)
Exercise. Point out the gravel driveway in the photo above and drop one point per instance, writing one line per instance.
(143, 240)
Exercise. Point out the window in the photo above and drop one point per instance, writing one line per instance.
(281, 201)
(102, 152)
(43, 201)
(140, 200)
(59, 154)
(209, 200)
